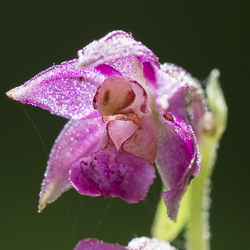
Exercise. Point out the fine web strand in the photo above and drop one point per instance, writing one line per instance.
(34, 128)
(76, 220)
(101, 218)
(70, 222)
(41, 140)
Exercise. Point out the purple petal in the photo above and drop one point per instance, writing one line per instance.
(94, 244)
(79, 138)
(64, 89)
(116, 44)
(178, 159)
(144, 243)
(166, 87)
(112, 173)
(181, 94)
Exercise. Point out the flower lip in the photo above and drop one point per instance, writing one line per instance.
(123, 167)
(112, 173)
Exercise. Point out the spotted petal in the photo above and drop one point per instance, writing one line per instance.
(178, 159)
(78, 139)
(64, 89)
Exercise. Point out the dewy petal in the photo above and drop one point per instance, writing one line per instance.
(129, 66)
(64, 89)
(179, 93)
(166, 86)
(195, 101)
(94, 244)
(78, 139)
(116, 44)
(144, 243)
(112, 173)
(178, 159)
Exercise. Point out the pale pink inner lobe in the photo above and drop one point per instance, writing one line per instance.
(120, 131)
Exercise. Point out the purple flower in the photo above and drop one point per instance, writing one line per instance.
(142, 243)
(126, 112)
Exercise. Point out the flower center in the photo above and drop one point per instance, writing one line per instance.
(114, 95)
(123, 104)
(120, 95)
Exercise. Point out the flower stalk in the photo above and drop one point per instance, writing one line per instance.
(198, 232)
(211, 128)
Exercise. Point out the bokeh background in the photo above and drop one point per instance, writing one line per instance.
(197, 35)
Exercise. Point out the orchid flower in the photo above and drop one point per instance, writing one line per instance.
(142, 243)
(126, 112)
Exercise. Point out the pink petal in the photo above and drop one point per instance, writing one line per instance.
(166, 86)
(79, 138)
(64, 89)
(94, 244)
(178, 159)
(116, 44)
(178, 92)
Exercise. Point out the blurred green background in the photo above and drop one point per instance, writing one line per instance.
(197, 35)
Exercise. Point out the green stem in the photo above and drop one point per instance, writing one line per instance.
(212, 126)
(198, 233)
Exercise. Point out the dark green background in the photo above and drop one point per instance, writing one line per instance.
(197, 35)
